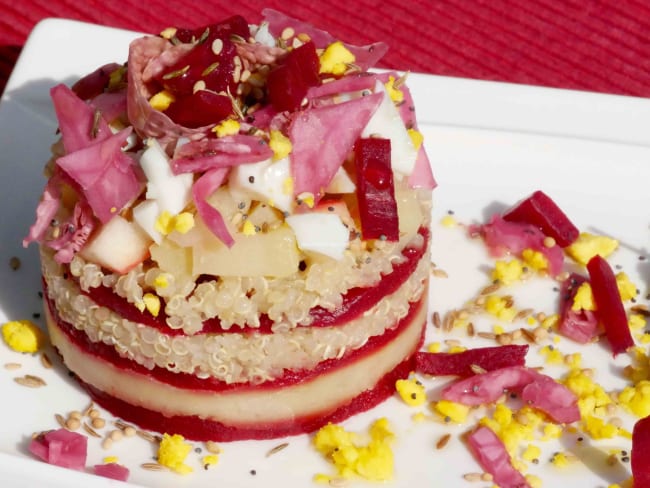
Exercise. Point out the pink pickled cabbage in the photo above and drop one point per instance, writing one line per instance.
(323, 137)
(77, 120)
(74, 233)
(639, 455)
(61, 448)
(493, 457)
(105, 174)
(504, 237)
(94, 83)
(224, 152)
(537, 390)
(205, 186)
(347, 84)
(365, 56)
(111, 105)
(579, 325)
(113, 471)
(45, 211)
(148, 57)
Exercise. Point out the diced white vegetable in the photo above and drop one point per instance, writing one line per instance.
(341, 183)
(145, 215)
(266, 181)
(320, 232)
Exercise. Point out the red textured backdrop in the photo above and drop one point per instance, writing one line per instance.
(591, 45)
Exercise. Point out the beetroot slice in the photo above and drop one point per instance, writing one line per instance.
(640, 449)
(61, 448)
(579, 325)
(460, 364)
(609, 305)
(541, 211)
(288, 83)
(200, 109)
(113, 471)
(375, 190)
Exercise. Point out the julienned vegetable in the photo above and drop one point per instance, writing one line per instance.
(464, 363)
(609, 305)
(541, 211)
(640, 450)
(493, 457)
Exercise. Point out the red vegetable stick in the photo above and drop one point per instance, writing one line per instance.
(609, 305)
(460, 364)
(541, 211)
(640, 450)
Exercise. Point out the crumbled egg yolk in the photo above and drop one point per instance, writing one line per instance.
(551, 321)
(373, 461)
(636, 321)
(434, 347)
(559, 460)
(248, 229)
(228, 127)
(22, 335)
(592, 398)
(551, 431)
(552, 355)
(583, 299)
(111, 459)
(151, 303)
(162, 280)
(597, 428)
(531, 453)
(396, 95)
(640, 370)
(535, 259)
(626, 288)
(586, 246)
(416, 138)
(167, 223)
(335, 59)
(280, 145)
(499, 307)
(448, 221)
(636, 398)
(411, 391)
(534, 481)
(210, 460)
(508, 272)
(162, 100)
(172, 452)
(456, 412)
(512, 429)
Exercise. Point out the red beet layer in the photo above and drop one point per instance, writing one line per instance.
(191, 382)
(200, 429)
(355, 301)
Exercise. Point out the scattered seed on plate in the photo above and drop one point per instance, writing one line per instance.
(72, 424)
(153, 467)
(14, 263)
(90, 430)
(277, 449)
(60, 420)
(98, 423)
(473, 476)
(30, 381)
(45, 361)
(146, 436)
(439, 273)
(436, 320)
(12, 366)
(443, 441)
(212, 447)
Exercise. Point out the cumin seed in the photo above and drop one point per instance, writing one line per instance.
(277, 449)
(436, 320)
(443, 441)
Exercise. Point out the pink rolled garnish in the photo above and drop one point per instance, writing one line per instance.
(493, 457)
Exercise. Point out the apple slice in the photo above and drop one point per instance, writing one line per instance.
(118, 245)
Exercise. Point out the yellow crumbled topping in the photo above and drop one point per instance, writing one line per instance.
(372, 461)
(456, 349)
(588, 245)
(531, 453)
(307, 198)
(456, 412)
(161, 281)
(498, 329)
(166, 222)
(535, 259)
(640, 370)
(228, 127)
(592, 398)
(636, 398)
(500, 307)
(418, 417)
(162, 100)
(396, 95)
(163, 223)
(280, 145)
(172, 452)
(335, 59)
(513, 429)
(248, 229)
(287, 186)
(534, 481)
(448, 221)
(168, 33)
(551, 431)
(210, 460)
(636, 321)
(411, 391)
(531, 320)
(111, 459)
(626, 288)
(551, 321)
(573, 360)
(508, 272)
(151, 303)
(597, 428)
(140, 306)
(552, 355)
(22, 335)
(584, 299)
(183, 222)
(416, 138)
(559, 460)
(434, 347)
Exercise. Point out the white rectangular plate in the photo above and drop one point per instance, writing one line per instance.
(490, 145)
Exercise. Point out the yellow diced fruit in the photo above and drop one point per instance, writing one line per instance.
(535, 259)
(162, 100)
(172, 452)
(22, 336)
(456, 412)
(411, 391)
(416, 138)
(508, 272)
(228, 127)
(626, 288)
(335, 59)
(588, 245)
(152, 303)
(280, 145)
(396, 95)
(584, 299)
(551, 321)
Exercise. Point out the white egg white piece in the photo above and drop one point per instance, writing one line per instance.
(171, 192)
(320, 232)
(145, 215)
(341, 183)
(265, 181)
(387, 123)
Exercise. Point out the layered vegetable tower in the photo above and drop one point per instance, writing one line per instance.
(234, 233)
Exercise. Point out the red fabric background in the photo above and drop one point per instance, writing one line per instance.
(591, 45)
